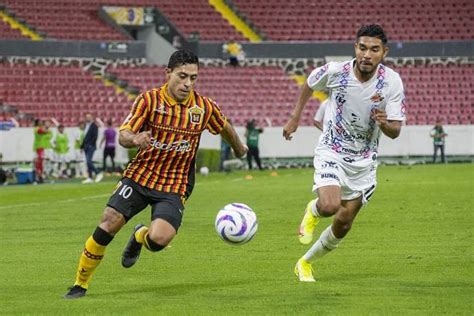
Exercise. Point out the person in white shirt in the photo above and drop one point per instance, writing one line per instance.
(366, 100)
(79, 158)
(318, 119)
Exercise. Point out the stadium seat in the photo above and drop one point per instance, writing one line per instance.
(63, 19)
(320, 21)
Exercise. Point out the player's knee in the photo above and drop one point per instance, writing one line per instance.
(112, 221)
(159, 238)
(327, 207)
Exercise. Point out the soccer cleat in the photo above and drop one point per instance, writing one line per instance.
(304, 271)
(87, 181)
(74, 292)
(132, 250)
(99, 177)
(308, 224)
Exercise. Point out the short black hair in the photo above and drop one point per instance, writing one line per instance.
(182, 57)
(373, 30)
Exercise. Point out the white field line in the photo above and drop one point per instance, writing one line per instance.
(104, 195)
(59, 201)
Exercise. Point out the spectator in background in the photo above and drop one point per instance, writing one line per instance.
(89, 146)
(252, 133)
(7, 123)
(80, 166)
(109, 138)
(61, 150)
(38, 148)
(3, 173)
(177, 42)
(319, 116)
(234, 51)
(48, 148)
(438, 135)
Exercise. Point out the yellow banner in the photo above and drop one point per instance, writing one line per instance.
(126, 15)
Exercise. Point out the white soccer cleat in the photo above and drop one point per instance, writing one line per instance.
(304, 271)
(99, 177)
(87, 181)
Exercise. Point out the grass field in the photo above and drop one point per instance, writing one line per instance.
(409, 252)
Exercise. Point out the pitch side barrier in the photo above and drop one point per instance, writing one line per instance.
(322, 49)
(80, 49)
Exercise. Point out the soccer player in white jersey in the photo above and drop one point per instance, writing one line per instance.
(366, 99)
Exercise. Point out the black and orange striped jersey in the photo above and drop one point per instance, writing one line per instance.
(167, 165)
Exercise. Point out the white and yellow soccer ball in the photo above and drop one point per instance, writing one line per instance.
(236, 223)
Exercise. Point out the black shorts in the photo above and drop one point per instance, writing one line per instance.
(130, 198)
(109, 152)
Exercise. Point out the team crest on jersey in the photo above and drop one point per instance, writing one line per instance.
(196, 114)
(161, 109)
(377, 98)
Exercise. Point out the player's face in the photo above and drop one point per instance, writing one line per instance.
(370, 52)
(181, 80)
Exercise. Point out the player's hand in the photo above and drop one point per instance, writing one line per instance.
(142, 139)
(380, 116)
(290, 128)
(242, 151)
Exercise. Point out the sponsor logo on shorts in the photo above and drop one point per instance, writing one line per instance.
(329, 176)
(329, 164)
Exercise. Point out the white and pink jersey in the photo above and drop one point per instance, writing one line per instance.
(349, 129)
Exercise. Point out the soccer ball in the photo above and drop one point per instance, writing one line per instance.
(236, 223)
(204, 171)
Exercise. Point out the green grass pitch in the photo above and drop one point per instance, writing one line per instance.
(409, 252)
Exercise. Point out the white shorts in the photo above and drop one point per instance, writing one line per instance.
(355, 178)
(62, 158)
(49, 154)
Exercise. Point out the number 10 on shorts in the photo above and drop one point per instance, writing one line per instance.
(125, 190)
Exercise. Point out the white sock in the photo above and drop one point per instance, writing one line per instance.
(314, 208)
(326, 242)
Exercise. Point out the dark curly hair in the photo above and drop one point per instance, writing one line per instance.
(373, 30)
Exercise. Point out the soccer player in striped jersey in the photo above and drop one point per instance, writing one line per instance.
(165, 124)
(366, 100)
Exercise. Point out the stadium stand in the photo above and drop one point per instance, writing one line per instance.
(63, 92)
(405, 20)
(79, 20)
(442, 92)
(6, 32)
(65, 20)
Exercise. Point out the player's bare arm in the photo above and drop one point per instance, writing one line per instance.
(292, 123)
(230, 136)
(389, 128)
(129, 139)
